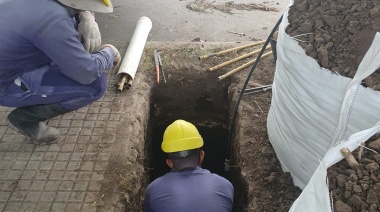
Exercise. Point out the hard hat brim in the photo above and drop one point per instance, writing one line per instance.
(90, 5)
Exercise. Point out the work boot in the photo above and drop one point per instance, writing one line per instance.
(28, 121)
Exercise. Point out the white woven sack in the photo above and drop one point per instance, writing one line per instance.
(314, 110)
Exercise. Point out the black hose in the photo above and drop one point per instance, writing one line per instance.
(232, 122)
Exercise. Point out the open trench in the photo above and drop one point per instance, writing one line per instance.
(196, 96)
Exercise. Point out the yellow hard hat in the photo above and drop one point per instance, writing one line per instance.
(102, 6)
(180, 136)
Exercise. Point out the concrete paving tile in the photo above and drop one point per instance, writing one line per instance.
(58, 207)
(77, 156)
(89, 156)
(26, 146)
(12, 207)
(8, 138)
(64, 156)
(64, 123)
(33, 165)
(19, 165)
(63, 130)
(60, 165)
(37, 185)
(56, 175)
(42, 174)
(88, 208)
(81, 185)
(18, 196)
(77, 196)
(95, 186)
(50, 156)
(41, 148)
(23, 185)
(28, 206)
(15, 174)
(24, 155)
(74, 207)
(5, 164)
(91, 197)
(91, 117)
(100, 166)
(46, 165)
(84, 175)
(87, 166)
(67, 147)
(74, 131)
(86, 131)
(4, 174)
(71, 138)
(44, 207)
(97, 176)
(77, 123)
(48, 196)
(54, 147)
(79, 115)
(37, 155)
(52, 185)
(2, 206)
(9, 155)
(70, 175)
(28, 175)
(33, 196)
(62, 196)
(80, 147)
(73, 165)
(5, 195)
(67, 185)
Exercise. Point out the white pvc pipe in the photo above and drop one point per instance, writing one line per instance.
(136, 46)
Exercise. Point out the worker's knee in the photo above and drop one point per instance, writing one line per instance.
(100, 85)
(88, 94)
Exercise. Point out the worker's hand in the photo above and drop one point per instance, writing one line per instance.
(117, 59)
(89, 31)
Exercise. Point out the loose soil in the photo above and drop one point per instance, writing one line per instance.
(337, 34)
(198, 96)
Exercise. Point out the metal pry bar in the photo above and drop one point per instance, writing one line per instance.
(158, 65)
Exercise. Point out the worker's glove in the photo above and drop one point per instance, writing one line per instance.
(89, 31)
(117, 59)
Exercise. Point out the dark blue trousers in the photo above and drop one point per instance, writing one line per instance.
(47, 85)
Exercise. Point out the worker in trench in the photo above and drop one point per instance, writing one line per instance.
(49, 63)
(187, 187)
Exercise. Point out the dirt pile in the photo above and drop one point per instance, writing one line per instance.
(336, 33)
(357, 189)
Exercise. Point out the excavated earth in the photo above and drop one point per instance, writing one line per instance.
(337, 34)
(195, 94)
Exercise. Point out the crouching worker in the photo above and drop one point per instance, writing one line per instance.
(45, 71)
(187, 187)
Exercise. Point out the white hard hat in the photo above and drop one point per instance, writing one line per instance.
(102, 6)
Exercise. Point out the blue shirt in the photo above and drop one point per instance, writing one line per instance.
(192, 190)
(39, 32)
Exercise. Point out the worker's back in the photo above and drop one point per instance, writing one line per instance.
(189, 190)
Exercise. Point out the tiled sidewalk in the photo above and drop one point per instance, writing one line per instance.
(66, 176)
